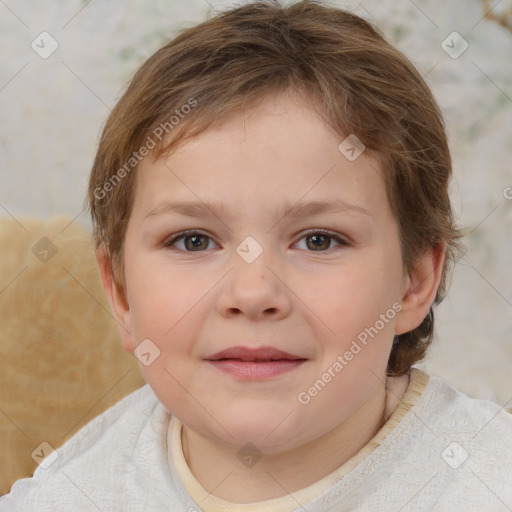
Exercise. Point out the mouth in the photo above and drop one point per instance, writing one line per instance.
(260, 355)
(255, 364)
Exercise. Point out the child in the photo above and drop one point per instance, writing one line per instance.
(273, 230)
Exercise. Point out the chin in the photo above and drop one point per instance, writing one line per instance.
(268, 433)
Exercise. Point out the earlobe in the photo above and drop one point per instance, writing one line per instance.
(421, 289)
(117, 300)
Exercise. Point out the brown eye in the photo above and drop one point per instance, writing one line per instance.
(320, 241)
(193, 241)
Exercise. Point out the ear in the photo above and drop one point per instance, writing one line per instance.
(420, 289)
(118, 301)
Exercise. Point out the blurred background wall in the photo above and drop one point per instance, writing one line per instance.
(64, 65)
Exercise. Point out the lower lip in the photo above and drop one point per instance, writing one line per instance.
(252, 370)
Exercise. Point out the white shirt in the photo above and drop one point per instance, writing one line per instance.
(439, 451)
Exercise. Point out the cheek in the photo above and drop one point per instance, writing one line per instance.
(358, 292)
(358, 305)
(164, 312)
(168, 305)
(153, 287)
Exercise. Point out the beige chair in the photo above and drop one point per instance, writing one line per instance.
(61, 360)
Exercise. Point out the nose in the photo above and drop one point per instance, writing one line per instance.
(255, 290)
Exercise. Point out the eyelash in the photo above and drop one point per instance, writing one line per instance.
(170, 241)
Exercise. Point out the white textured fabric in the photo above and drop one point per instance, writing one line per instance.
(119, 462)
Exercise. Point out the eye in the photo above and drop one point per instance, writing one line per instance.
(320, 241)
(193, 241)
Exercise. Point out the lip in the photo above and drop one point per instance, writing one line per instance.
(264, 353)
(255, 363)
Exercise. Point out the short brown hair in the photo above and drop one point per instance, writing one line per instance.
(361, 83)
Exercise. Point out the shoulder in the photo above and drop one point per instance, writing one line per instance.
(118, 424)
(465, 444)
(100, 460)
(467, 417)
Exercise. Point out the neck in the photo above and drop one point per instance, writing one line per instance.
(217, 467)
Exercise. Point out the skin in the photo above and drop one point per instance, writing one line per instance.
(309, 301)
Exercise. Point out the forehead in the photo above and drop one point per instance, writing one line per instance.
(280, 150)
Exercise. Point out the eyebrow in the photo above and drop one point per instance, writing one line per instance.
(301, 209)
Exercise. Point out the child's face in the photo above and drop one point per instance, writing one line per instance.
(310, 297)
